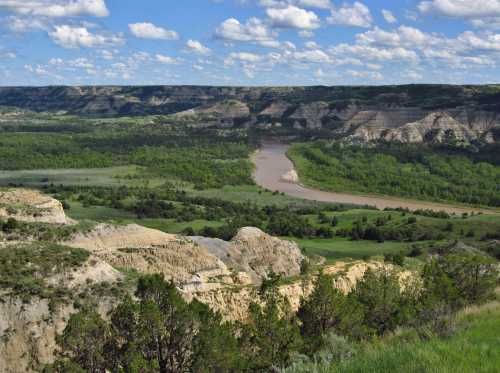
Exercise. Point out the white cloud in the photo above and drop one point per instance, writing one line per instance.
(293, 17)
(413, 75)
(81, 63)
(406, 36)
(25, 24)
(245, 57)
(314, 56)
(166, 59)
(7, 55)
(371, 53)
(56, 8)
(311, 45)
(321, 4)
(461, 8)
(486, 23)
(72, 37)
(253, 31)
(373, 75)
(306, 34)
(197, 47)
(357, 15)
(473, 41)
(388, 16)
(146, 30)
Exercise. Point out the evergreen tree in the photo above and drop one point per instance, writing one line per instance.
(321, 312)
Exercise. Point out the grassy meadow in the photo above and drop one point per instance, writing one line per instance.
(474, 348)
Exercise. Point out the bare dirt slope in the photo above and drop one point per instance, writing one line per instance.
(31, 206)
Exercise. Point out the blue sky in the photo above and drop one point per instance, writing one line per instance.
(249, 42)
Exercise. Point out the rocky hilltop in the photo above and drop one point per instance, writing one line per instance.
(42, 283)
(412, 113)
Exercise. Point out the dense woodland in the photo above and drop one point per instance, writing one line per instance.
(205, 158)
(438, 174)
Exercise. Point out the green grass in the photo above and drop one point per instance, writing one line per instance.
(253, 194)
(111, 176)
(97, 213)
(171, 225)
(475, 348)
(342, 248)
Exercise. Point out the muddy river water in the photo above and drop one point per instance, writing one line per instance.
(271, 164)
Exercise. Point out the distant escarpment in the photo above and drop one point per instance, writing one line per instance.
(407, 114)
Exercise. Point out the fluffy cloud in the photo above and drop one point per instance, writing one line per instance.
(372, 75)
(7, 55)
(56, 8)
(388, 16)
(24, 24)
(146, 30)
(72, 37)
(321, 4)
(371, 53)
(314, 56)
(196, 47)
(356, 15)
(245, 57)
(486, 42)
(166, 59)
(253, 31)
(293, 17)
(461, 8)
(405, 36)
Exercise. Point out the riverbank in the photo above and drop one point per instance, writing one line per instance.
(272, 164)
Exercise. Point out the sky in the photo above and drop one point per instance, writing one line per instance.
(249, 42)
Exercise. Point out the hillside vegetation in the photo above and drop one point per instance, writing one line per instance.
(449, 175)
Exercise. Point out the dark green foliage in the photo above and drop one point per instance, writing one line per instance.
(10, 225)
(459, 280)
(84, 342)
(322, 312)
(381, 298)
(205, 159)
(158, 332)
(398, 258)
(408, 171)
(272, 333)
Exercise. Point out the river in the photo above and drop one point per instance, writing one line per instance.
(271, 163)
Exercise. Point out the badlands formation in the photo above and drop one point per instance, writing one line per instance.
(224, 275)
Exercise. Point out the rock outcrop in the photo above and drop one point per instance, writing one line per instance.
(255, 253)
(31, 206)
(195, 261)
(233, 301)
(435, 127)
(148, 251)
(357, 114)
(28, 327)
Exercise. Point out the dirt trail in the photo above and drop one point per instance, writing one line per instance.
(271, 164)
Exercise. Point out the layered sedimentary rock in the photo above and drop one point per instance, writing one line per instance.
(356, 114)
(31, 206)
(435, 127)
